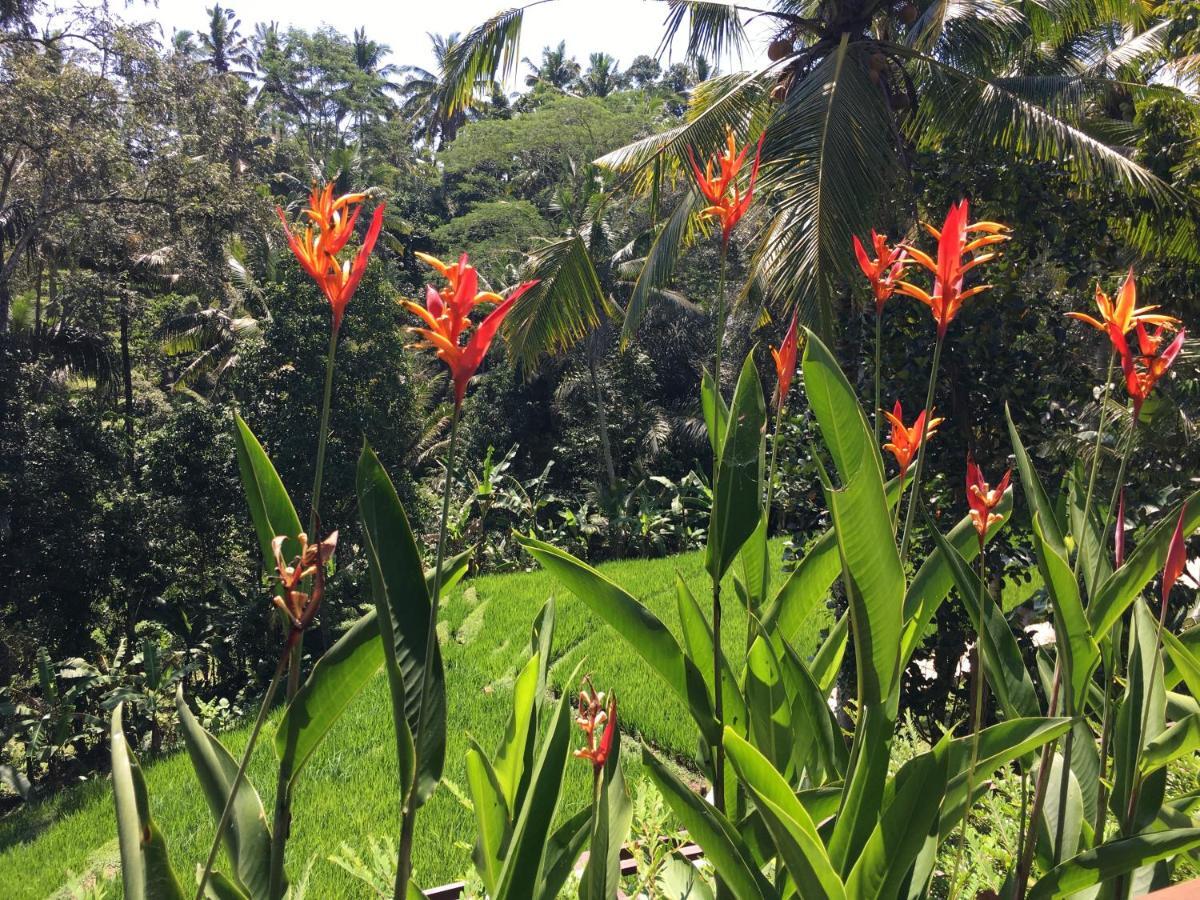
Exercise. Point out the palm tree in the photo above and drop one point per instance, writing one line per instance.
(602, 77)
(556, 70)
(853, 89)
(422, 96)
(223, 44)
(374, 83)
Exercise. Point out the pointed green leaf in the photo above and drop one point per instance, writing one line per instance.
(247, 839)
(1181, 739)
(770, 708)
(562, 850)
(1035, 494)
(1183, 654)
(510, 759)
(716, 412)
(1072, 814)
(698, 642)
(270, 507)
(491, 817)
(1111, 859)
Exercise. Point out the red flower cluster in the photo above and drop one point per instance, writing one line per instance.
(785, 361)
(983, 498)
(1144, 370)
(884, 270)
(595, 714)
(296, 604)
(726, 201)
(906, 441)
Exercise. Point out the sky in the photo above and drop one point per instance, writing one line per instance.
(622, 28)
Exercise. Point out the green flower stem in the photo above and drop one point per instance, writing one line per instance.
(283, 799)
(915, 499)
(976, 718)
(720, 322)
(408, 828)
(227, 812)
(1087, 504)
(718, 700)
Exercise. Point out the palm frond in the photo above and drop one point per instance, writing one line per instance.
(1138, 49)
(960, 103)
(489, 53)
(660, 262)
(966, 29)
(563, 307)
(829, 154)
(714, 28)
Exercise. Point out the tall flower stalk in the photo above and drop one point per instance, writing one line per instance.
(718, 183)
(461, 344)
(883, 272)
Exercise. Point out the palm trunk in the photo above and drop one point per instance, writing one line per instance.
(601, 420)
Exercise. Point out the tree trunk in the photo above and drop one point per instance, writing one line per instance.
(127, 378)
(601, 419)
(5, 305)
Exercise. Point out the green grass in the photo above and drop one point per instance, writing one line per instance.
(348, 792)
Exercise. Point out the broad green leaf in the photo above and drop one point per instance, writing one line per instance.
(602, 876)
(145, 869)
(1183, 651)
(247, 839)
(519, 733)
(523, 864)
(865, 780)
(710, 830)
(1181, 739)
(339, 676)
(756, 567)
(716, 412)
(936, 575)
(1072, 813)
(1123, 586)
(1087, 535)
(1078, 649)
(1142, 702)
(402, 607)
(828, 660)
(792, 829)
(1035, 494)
(645, 632)
(697, 641)
(1111, 859)
(1003, 664)
(562, 850)
(220, 887)
(871, 563)
(270, 507)
(737, 482)
(893, 848)
(817, 742)
(770, 709)
(492, 821)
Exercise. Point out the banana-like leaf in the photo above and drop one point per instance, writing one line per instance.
(1035, 493)
(716, 412)
(828, 661)
(1067, 803)
(1111, 859)
(722, 845)
(1077, 648)
(865, 783)
(645, 632)
(1087, 534)
(898, 839)
(660, 263)
(221, 887)
(247, 838)
(614, 814)
(817, 743)
(492, 822)
(737, 484)
(755, 567)
(145, 869)
(792, 828)
(402, 607)
(1146, 561)
(770, 708)
(524, 861)
(339, 676)
(270, 507)
(1181, 739)
(1003, 664)
(520, 734)
(698, 641)
(562, 850)
(1183, 657)
(1142, 702)
(872, 570)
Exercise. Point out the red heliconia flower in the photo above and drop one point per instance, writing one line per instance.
(595, 713)
(1124, 314)
(331, 224)
(447, 317)
(1176, 559)
(884, 270)
(785, 361)
(1143, 371)
(1119, 534)
(983, 499)
(948, 296)
(726, 201)
(296, 604)
(906, 441)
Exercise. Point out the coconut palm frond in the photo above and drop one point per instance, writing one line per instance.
(714, 28)
(1158, 236)
(669, 244)
(1141, 48)
(489, 53)
(828, 156)
(972, 106)
(565, 305)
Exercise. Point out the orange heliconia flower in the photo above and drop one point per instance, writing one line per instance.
(726, 201)
(331, 225)
(1176, 559)
(297, 605)
(948, 296)
(595, 713)
(447, 318)
(906, 441)
(1124, 314)
(884, 270)
(785, 361)
(1143, 371)
(983, 499)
